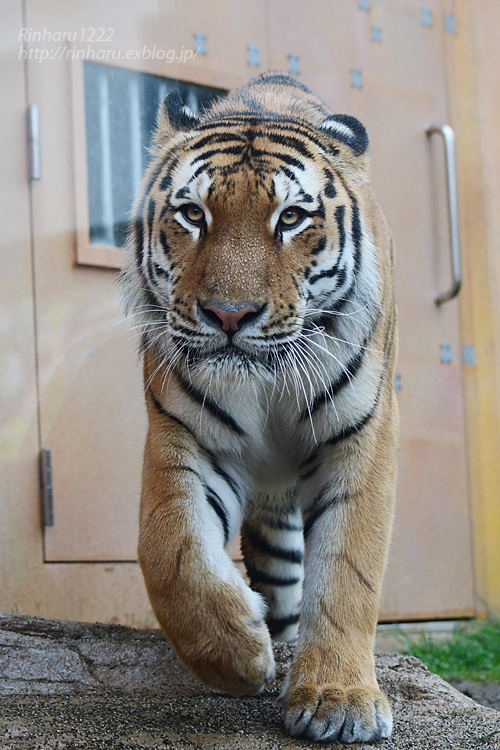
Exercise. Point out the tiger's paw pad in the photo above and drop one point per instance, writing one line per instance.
(331, 712)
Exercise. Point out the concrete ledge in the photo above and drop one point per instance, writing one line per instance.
(68, 685)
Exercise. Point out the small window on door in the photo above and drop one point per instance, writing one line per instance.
(121, 108)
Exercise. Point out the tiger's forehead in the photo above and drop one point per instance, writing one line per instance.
(274, 156)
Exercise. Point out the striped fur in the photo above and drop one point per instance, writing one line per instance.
(259, 271)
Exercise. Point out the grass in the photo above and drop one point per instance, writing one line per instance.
(469, 653)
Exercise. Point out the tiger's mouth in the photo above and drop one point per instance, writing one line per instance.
(230, 359)
(230, 337)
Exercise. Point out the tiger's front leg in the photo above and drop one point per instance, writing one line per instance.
(190, 507)
(331, 691)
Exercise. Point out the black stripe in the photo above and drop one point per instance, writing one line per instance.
(347, 296)
(352, 429)
(320, 211)
(260, 576)
(325, 321)
(154, 177)
(319, 510)
(390, 337)
(166, 413)
(319, 247)
(330, 190)
(225, 476)
(339, 218)
(280, 523)
(334, 388)
(342, 435)
(257, 153)
(362, 579)
(341, 277)
(291, 176)
(187, 468)
(253, 152)
(357, 238)
(277, 625)
(309, 473)
(326, 274)
(173, 467)
(337, 385)
(166, 181)
(166, 207)
(151, 216)
(180, 329)
(305, 197)
(236, 150)
(218, 137)
(289, 142)
(202, 168)
(275, 336)
(208, 452)
(312, 518)
(216, 503)
(138, 231)
(212, 406)
(150, 219)
(164, 243)
(330, 617)
(356, 235)
(259, 543)
(279, 123)
(350, 371)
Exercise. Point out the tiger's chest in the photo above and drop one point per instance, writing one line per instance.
(264, 431)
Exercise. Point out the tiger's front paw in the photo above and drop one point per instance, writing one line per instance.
(239, 662)
(332, 712)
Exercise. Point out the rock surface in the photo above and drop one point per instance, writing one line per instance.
(66, 685)
(486, 693)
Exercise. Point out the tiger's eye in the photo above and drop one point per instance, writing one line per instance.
(291, 217)
(193, 213)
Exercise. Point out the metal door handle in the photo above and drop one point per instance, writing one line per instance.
(449, 142)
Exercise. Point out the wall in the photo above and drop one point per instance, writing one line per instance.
(474, 86)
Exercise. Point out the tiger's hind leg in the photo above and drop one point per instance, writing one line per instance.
(273, 549)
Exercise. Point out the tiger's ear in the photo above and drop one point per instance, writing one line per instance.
(174, 116)
(349, 140)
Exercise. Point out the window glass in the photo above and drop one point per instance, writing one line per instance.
(121, 108)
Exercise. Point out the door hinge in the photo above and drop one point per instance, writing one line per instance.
(33, 142)
(46, 491)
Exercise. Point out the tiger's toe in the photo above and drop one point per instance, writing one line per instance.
(332, 712)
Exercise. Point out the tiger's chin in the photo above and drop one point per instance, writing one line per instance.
(227, 362)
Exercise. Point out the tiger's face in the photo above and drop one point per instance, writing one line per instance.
(250, 231)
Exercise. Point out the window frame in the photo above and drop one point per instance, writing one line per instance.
(107, 256)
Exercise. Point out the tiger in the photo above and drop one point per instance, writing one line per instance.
(259, 269)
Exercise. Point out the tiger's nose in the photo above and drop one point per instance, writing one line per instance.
(230, 317)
